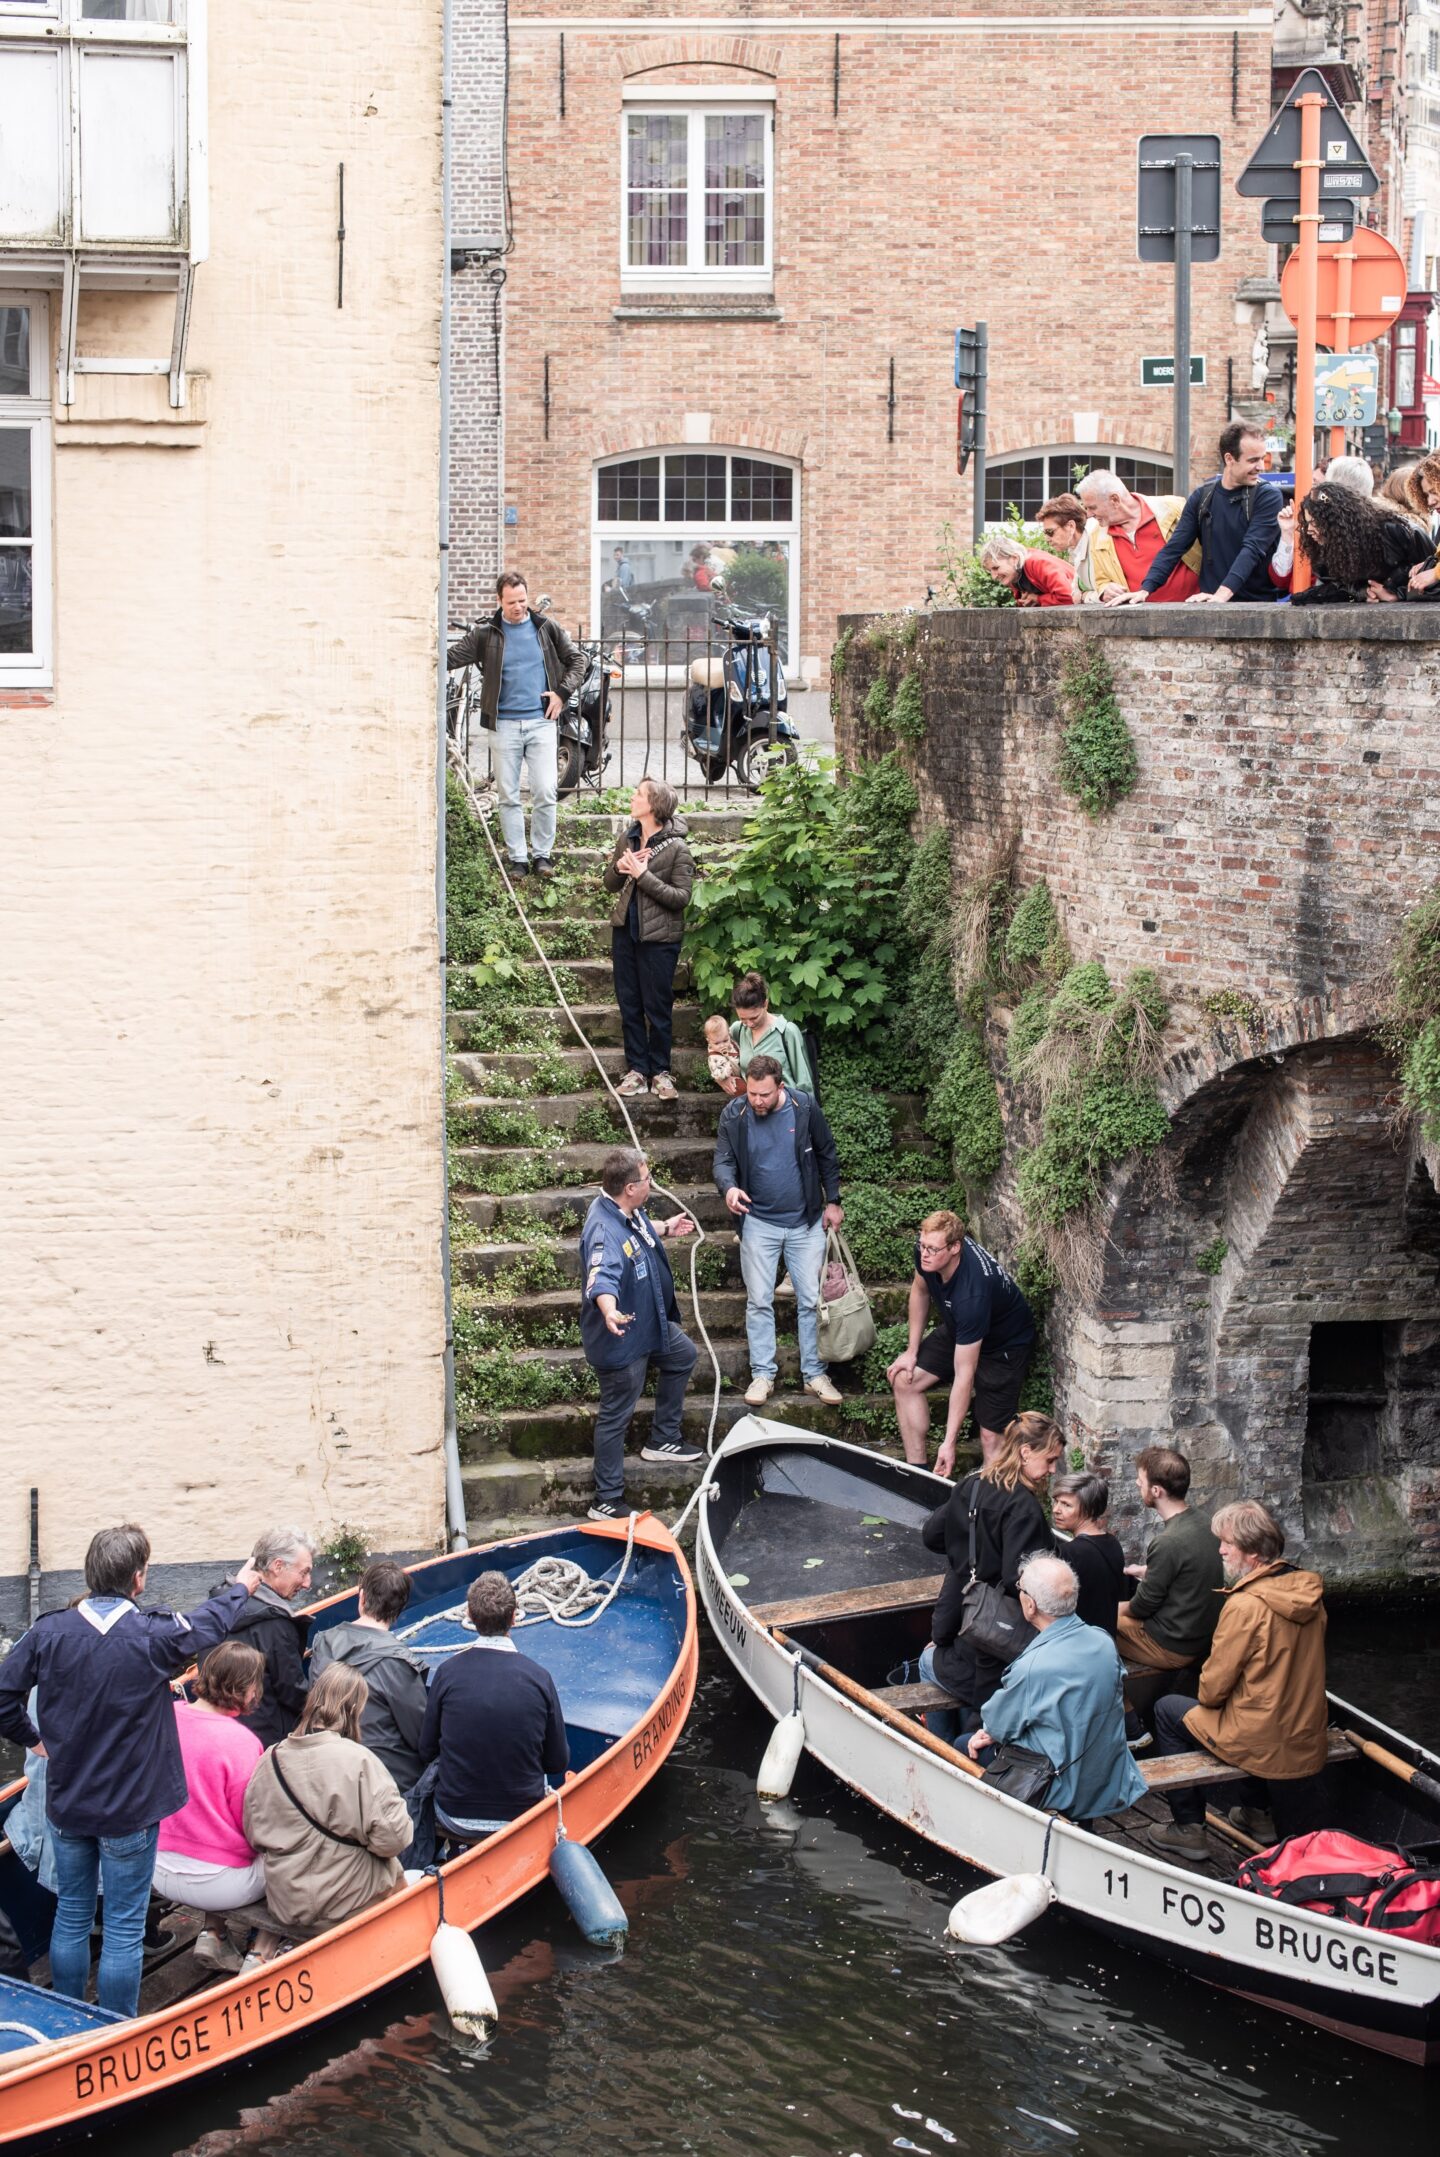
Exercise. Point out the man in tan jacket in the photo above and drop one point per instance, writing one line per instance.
(1129, 532)
(1262, 1704)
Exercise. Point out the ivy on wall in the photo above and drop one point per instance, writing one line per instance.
(1098, 762)
(1413, 1024)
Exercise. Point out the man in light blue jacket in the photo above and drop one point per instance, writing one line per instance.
(1062, 1697)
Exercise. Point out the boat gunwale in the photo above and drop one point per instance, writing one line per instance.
(1059, 1831)
(583, 1800)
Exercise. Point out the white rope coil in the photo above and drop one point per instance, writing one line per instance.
(554, 1591)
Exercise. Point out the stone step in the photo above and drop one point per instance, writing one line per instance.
(487, 1210)
(691, 1114)
(545, 1489)
(471, 1167)
(533, 1313)
(478, 1263)
(593, 976)
(568, 1427)
(600, 1021)
(587, 824)
(692, 1072)
(577, 858)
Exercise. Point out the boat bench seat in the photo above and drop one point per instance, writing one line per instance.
(912, 1699)
(852, 1602)
(1186, 1771)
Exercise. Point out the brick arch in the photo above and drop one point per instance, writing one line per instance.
(667, 432)
(1023, 431)
(747, 54)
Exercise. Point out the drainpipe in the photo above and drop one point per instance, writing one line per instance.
(455, 1524)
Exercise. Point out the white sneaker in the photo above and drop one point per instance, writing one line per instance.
(758, 1392)
(213, 1952)
(633, 1083)
(825, 1389)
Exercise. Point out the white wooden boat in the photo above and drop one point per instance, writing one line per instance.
(808, 1544)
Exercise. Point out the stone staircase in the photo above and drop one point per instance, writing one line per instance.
(531, 1125)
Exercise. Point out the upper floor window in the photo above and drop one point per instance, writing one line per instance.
(1024, 483)
(25, 447)
(1432, 51)
(696, 184)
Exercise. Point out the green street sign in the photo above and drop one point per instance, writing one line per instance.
(1159, 373)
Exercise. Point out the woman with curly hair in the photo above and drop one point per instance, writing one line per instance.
(1357, 549)
(1422, 490)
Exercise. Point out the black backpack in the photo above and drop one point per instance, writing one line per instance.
(811, 1040)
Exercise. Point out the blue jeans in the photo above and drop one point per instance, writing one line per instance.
(533, 742)
(620, 1390)
(119, 1867)
(940, 1722)
(762, 1246)
(645, 992)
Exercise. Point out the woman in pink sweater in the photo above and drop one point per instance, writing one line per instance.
(204, 1860)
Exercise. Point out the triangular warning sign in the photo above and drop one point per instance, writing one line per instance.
(1344, 167)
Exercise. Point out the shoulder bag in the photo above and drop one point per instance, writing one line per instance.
(352, 1842)
(844, 1321)
(992, 1621)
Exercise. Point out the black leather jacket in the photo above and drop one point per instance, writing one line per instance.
(484, 647)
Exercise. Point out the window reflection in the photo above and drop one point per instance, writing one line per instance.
(14, 351)
(165, 11)
(683, 580)
(14, 483)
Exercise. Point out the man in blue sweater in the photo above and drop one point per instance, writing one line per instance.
(528, 670)
(103, 1669)
(1236, 519)
(493, 1722)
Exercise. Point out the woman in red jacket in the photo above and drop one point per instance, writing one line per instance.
(1036, 579)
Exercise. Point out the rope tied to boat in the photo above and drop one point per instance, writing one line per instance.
(23, 2029)
(552, 1591)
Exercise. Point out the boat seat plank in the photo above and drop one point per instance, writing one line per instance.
(911, 1699)
(852, 1602)
(1187, 1771)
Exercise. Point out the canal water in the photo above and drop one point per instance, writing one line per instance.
(787, 1992)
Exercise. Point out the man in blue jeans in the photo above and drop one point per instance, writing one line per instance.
(103, 1669)
(778, 1172)
(629, 1319)
(528, 668)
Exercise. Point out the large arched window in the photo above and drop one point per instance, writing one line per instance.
(1025, 482)
(681, 528)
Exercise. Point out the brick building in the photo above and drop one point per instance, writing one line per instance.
(742, 246)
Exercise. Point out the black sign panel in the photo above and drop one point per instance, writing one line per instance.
(1279, 220)
(1155, 196)
(1344, 169)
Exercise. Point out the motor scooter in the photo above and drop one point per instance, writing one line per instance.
(728, 704)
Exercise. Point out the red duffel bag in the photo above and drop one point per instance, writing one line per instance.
(1369, 1883)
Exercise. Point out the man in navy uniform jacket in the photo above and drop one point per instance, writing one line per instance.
(103, 1670)
(629, 1319)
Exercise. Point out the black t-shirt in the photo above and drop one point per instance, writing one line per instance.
(979, 1302)
(1099, 1566)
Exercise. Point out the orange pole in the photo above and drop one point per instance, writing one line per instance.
(1310, 108)
(1344, 316)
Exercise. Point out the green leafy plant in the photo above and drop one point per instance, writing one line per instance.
(879, 705)
(1213, 1257)
(758, 582)
(1032, 1016)
(347, 1551)
(840, 655)
(964, 1111)
(1420, 1078)
(1412, 1026)
(907, 716)
(596, 1126)
(1098, 761)
(1034, 941)
(1235, 1004)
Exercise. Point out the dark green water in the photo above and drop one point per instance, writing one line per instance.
(787, 1992)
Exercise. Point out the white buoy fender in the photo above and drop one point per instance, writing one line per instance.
(782, 1756)
(998, 1911)
(465, 1988)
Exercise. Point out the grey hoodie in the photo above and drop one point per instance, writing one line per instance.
(390, 1725)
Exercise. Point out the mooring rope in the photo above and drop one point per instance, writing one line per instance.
(552, 1591)
(483, 812)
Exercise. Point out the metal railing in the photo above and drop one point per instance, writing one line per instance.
(695, 704)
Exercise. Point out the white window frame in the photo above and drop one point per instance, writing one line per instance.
(603, 536)
(35, 669)
(695, 105)
(1098, 456)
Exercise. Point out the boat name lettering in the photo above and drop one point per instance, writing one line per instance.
(1193, 1910)
(649, 1738)
(1318, 1949)
(126, 2065)
(730, 1617)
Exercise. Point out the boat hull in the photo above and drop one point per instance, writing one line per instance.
(63, 2091)
(1376, 1989)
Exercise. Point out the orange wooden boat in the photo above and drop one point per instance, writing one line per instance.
(626, 1684)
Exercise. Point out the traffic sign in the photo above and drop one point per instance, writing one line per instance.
(1159, 372)
(1376, 294)
(1155, 196)
(1280, 219)
(1347, 388)
(967, 358)
(1275, 168)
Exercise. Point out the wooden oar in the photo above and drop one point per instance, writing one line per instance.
(1425, 1784)
(1222, 1826)
(881, 1708)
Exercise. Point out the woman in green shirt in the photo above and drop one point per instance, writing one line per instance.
(759, 1031)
